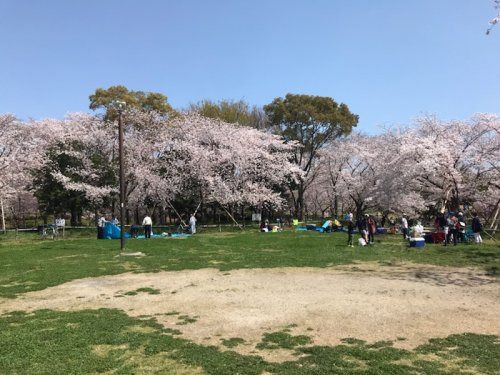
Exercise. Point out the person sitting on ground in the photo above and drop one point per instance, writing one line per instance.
(336, 225)
(328, 226)
(417, 230)
(269, 226)
(263, 226)
(134, 230)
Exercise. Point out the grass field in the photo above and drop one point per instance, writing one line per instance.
(109, 340)
(31, 264)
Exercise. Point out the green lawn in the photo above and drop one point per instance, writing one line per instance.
(97, 341)
(31, 264)
(109, 341)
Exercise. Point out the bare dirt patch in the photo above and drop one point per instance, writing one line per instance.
(367, 301)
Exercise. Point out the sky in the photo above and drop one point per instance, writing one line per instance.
(390, 61)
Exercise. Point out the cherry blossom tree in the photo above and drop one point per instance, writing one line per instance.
(495, 20)
(17, 154)
(76, 168)
(188, 157)
(453, 163)
(433, 165)
(71, 165)
(216, 162)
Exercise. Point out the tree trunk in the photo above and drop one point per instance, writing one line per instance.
(299, 204)
(214, 215)
(136, 215)
(127, 217)
(359, 209)
(74, 216)
(3, 216)
(336, 206)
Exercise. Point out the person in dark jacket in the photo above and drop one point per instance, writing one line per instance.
(460, 227)
(452, 230)
(477, 227)
(350, 231)
(362, 225)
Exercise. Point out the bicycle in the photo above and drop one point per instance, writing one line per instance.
(49, 231)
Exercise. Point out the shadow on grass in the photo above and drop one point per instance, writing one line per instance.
(96, 341)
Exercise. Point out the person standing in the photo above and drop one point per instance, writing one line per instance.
(361, 223)
(372, 229)
(101, 222)
(477, 227)
(452, 230)
(460, 227)
(350, 231)
(147, 224)
(404, 226)
(192, 224)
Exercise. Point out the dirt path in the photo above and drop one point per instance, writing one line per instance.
(365, 301)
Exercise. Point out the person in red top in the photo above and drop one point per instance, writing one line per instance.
(452, 222)
(372, 229)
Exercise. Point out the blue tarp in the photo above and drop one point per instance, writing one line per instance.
(112, 231)
(166, 235)
(324, 227)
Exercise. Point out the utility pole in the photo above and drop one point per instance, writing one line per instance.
(120, 106)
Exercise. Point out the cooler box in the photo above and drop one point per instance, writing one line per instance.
(417, 242)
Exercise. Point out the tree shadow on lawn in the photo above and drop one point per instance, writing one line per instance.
(96, 341)
(438, 277)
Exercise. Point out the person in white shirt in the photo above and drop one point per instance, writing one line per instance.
(418, 230)
(101, 222)
(404, 226)
(192, 223)
(147, 223)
